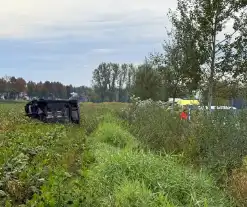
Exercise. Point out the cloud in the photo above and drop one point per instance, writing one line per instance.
(103, 51)
(64, 40)
(45, 18)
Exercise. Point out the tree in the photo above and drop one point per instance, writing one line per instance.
(101, 80)
(208, 20)
(114, 76)
(69, 90)
(31, 89)
(224, 92)
(20, 85)
(110, 81)
(131, 76)
(13, 89)
(3, 84)
(122, 80)
(147, 82)
(179, 65)
(12, 86)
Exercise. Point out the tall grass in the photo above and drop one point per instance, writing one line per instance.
(124, 176)
(92, 114)
(113, 134)
(159, 129)
(219, 142)
(129, 178)
(215, 142)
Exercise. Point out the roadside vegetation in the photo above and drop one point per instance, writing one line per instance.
(138, 153)
(121, 155)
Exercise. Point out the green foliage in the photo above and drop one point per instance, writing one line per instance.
(112, 81)
(11, 88)
(131, 178)
(89, 123)
(220, 142)
(216, 142)
(133, 193)
(159, 129)
(113, 134)
(93, 113)
(111, 169)
(147, 82)
(199, 25)
(32, 156)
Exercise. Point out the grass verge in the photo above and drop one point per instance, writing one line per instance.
(123, 176)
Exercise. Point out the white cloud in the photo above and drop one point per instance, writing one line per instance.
(99, 20)
(103, 51)
(35, 18)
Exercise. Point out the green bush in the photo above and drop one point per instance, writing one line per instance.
(219, 142)
(159, 129)
(129, 178)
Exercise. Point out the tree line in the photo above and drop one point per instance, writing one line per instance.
(13, 87)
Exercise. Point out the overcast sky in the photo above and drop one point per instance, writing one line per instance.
(64, 40)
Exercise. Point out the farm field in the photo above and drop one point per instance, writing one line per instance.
(113, 159)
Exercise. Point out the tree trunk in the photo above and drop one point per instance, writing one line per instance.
(117, 95)
(210, 87)
(212, 67)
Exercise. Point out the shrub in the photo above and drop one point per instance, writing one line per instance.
(159, 129)
(219, 141)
